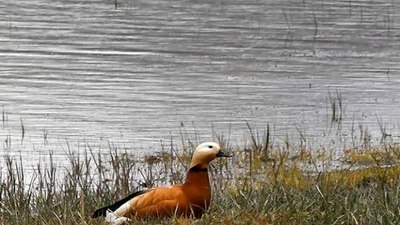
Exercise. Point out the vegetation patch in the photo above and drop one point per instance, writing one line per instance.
(262, 184)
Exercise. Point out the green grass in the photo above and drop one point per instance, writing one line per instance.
(261, 184)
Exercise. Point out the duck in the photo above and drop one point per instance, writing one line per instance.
(192, 198)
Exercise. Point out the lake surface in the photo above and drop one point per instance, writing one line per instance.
(134, 73)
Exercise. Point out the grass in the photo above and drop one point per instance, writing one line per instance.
(262, 184)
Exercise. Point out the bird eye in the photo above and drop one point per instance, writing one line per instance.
(210, 146)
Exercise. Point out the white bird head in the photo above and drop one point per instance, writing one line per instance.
(205, 153)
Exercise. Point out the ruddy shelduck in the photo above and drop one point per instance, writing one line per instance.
(190, 198)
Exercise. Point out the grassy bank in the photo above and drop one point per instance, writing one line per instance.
(262, 184)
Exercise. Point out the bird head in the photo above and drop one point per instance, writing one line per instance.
(205, 153)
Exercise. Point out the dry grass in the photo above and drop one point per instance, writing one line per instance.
(261, 184)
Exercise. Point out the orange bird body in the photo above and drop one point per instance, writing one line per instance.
(190, 198)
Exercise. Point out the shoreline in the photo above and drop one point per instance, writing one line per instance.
(259, 174)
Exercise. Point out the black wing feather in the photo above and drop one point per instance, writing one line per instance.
(116, 205)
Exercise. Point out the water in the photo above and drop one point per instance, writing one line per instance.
(143, 72)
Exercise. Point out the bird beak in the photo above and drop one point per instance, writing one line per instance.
(223, 154)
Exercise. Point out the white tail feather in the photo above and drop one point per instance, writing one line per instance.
(112, 219)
